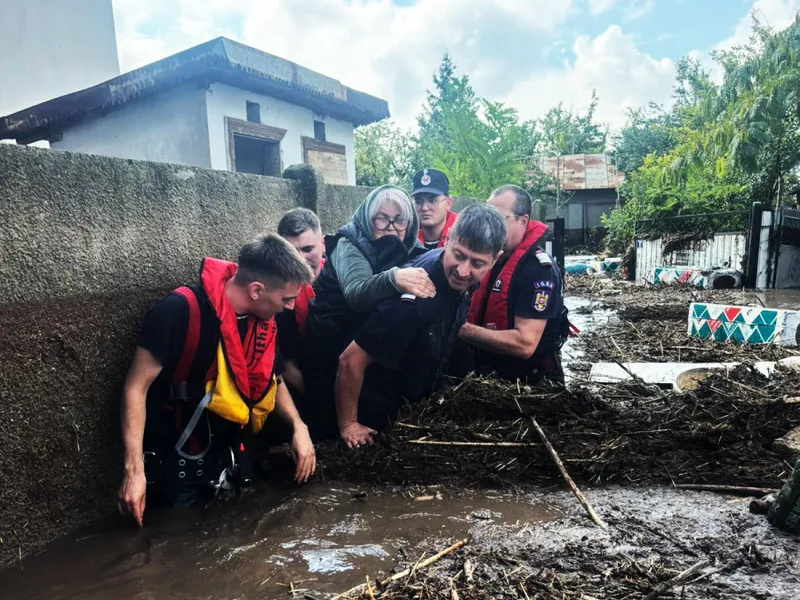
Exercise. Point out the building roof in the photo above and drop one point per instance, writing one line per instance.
(582, 171)
(219, 60)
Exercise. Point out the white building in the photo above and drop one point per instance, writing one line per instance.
(219, 105)
(49, 48)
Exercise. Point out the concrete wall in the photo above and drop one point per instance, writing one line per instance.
(226, 101)
(87, 244)
(50, 48)
(170, 127)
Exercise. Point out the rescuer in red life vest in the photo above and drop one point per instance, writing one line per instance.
(430, 193)
(517, 320)
(204, 379)
(300, 227)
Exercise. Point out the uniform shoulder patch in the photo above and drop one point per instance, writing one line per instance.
(544, 285)
(541, 300)
(543, 258)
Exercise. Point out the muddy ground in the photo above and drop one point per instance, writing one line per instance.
(468, 465)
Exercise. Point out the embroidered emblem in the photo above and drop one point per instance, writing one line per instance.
(498, 285)
(540, 300)
(544, 285)
(426, 179)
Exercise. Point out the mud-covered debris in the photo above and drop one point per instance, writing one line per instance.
(721, 433)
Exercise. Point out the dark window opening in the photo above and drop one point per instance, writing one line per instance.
(319, 131)
(256, 156)
(254, 112)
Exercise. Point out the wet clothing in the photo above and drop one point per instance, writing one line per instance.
(526, 284)
(216, 387)
(357, 276)
(448, 224)
(410, 340)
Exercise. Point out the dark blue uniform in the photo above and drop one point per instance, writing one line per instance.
(410, 340)
(536, 292)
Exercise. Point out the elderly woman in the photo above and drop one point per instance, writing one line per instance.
(363, 268)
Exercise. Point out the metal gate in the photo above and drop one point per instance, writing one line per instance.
(786, 273)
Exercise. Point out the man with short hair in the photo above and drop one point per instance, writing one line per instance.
(205, 376)
(430, 193)
(402, 350)
(517, 319)
(300, 227)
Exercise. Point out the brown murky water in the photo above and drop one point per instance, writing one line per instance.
(319, 541)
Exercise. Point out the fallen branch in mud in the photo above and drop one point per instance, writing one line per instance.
(404, 573)
(581, 498)
(677, 580)
(489, 444)
(726, 489)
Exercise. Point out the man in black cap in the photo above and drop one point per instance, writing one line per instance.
(430, 192)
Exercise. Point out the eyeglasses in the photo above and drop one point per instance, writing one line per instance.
(382, 222)
(429, 200)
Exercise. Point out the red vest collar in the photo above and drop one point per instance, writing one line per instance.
(251, 362)
(489, 305)
(448, 224)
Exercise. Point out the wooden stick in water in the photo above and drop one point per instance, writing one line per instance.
(494, 444)
(726, 489)
(406, 572)
(680, 578)
(581, 498)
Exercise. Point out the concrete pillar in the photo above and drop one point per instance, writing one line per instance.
(311, 183)
(763, 251)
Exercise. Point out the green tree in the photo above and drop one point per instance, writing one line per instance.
(648, 131)
(565, 132)
(383, 155)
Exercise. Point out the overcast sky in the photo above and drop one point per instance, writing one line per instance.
(530, 54)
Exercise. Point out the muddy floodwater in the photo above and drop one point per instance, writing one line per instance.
(322, 539)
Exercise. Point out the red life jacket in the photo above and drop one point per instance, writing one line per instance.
(250, 363)
(448, 224)
(490, 308)
(301, 305)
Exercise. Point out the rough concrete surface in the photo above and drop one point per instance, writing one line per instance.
(80, 224)
(62, 365)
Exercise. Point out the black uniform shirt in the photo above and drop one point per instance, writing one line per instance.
(536, 292)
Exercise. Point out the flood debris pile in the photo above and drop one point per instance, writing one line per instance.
(572, 562)
(480, 434)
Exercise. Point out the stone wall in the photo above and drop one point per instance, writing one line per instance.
(87, 245)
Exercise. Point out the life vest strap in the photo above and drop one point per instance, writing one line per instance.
(189, 429)
(181, 372)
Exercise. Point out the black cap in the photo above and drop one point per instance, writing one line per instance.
(430, 181)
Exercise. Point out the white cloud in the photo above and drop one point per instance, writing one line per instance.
(612, 64)
(777, 14)
(372, 45)
(598, 7)
(638, 9)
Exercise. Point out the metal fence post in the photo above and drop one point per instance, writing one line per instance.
(558, 240)
(753, 245)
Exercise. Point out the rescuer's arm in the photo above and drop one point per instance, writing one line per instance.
(143, 371)
(293, 376)
(520, 342)
(302, 448)
(353, 364)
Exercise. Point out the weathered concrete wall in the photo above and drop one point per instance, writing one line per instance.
(87, 245)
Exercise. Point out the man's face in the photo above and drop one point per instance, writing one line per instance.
(309, 245)
(432, 209)
(515, 225)
(265, 302)
(464, 268)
